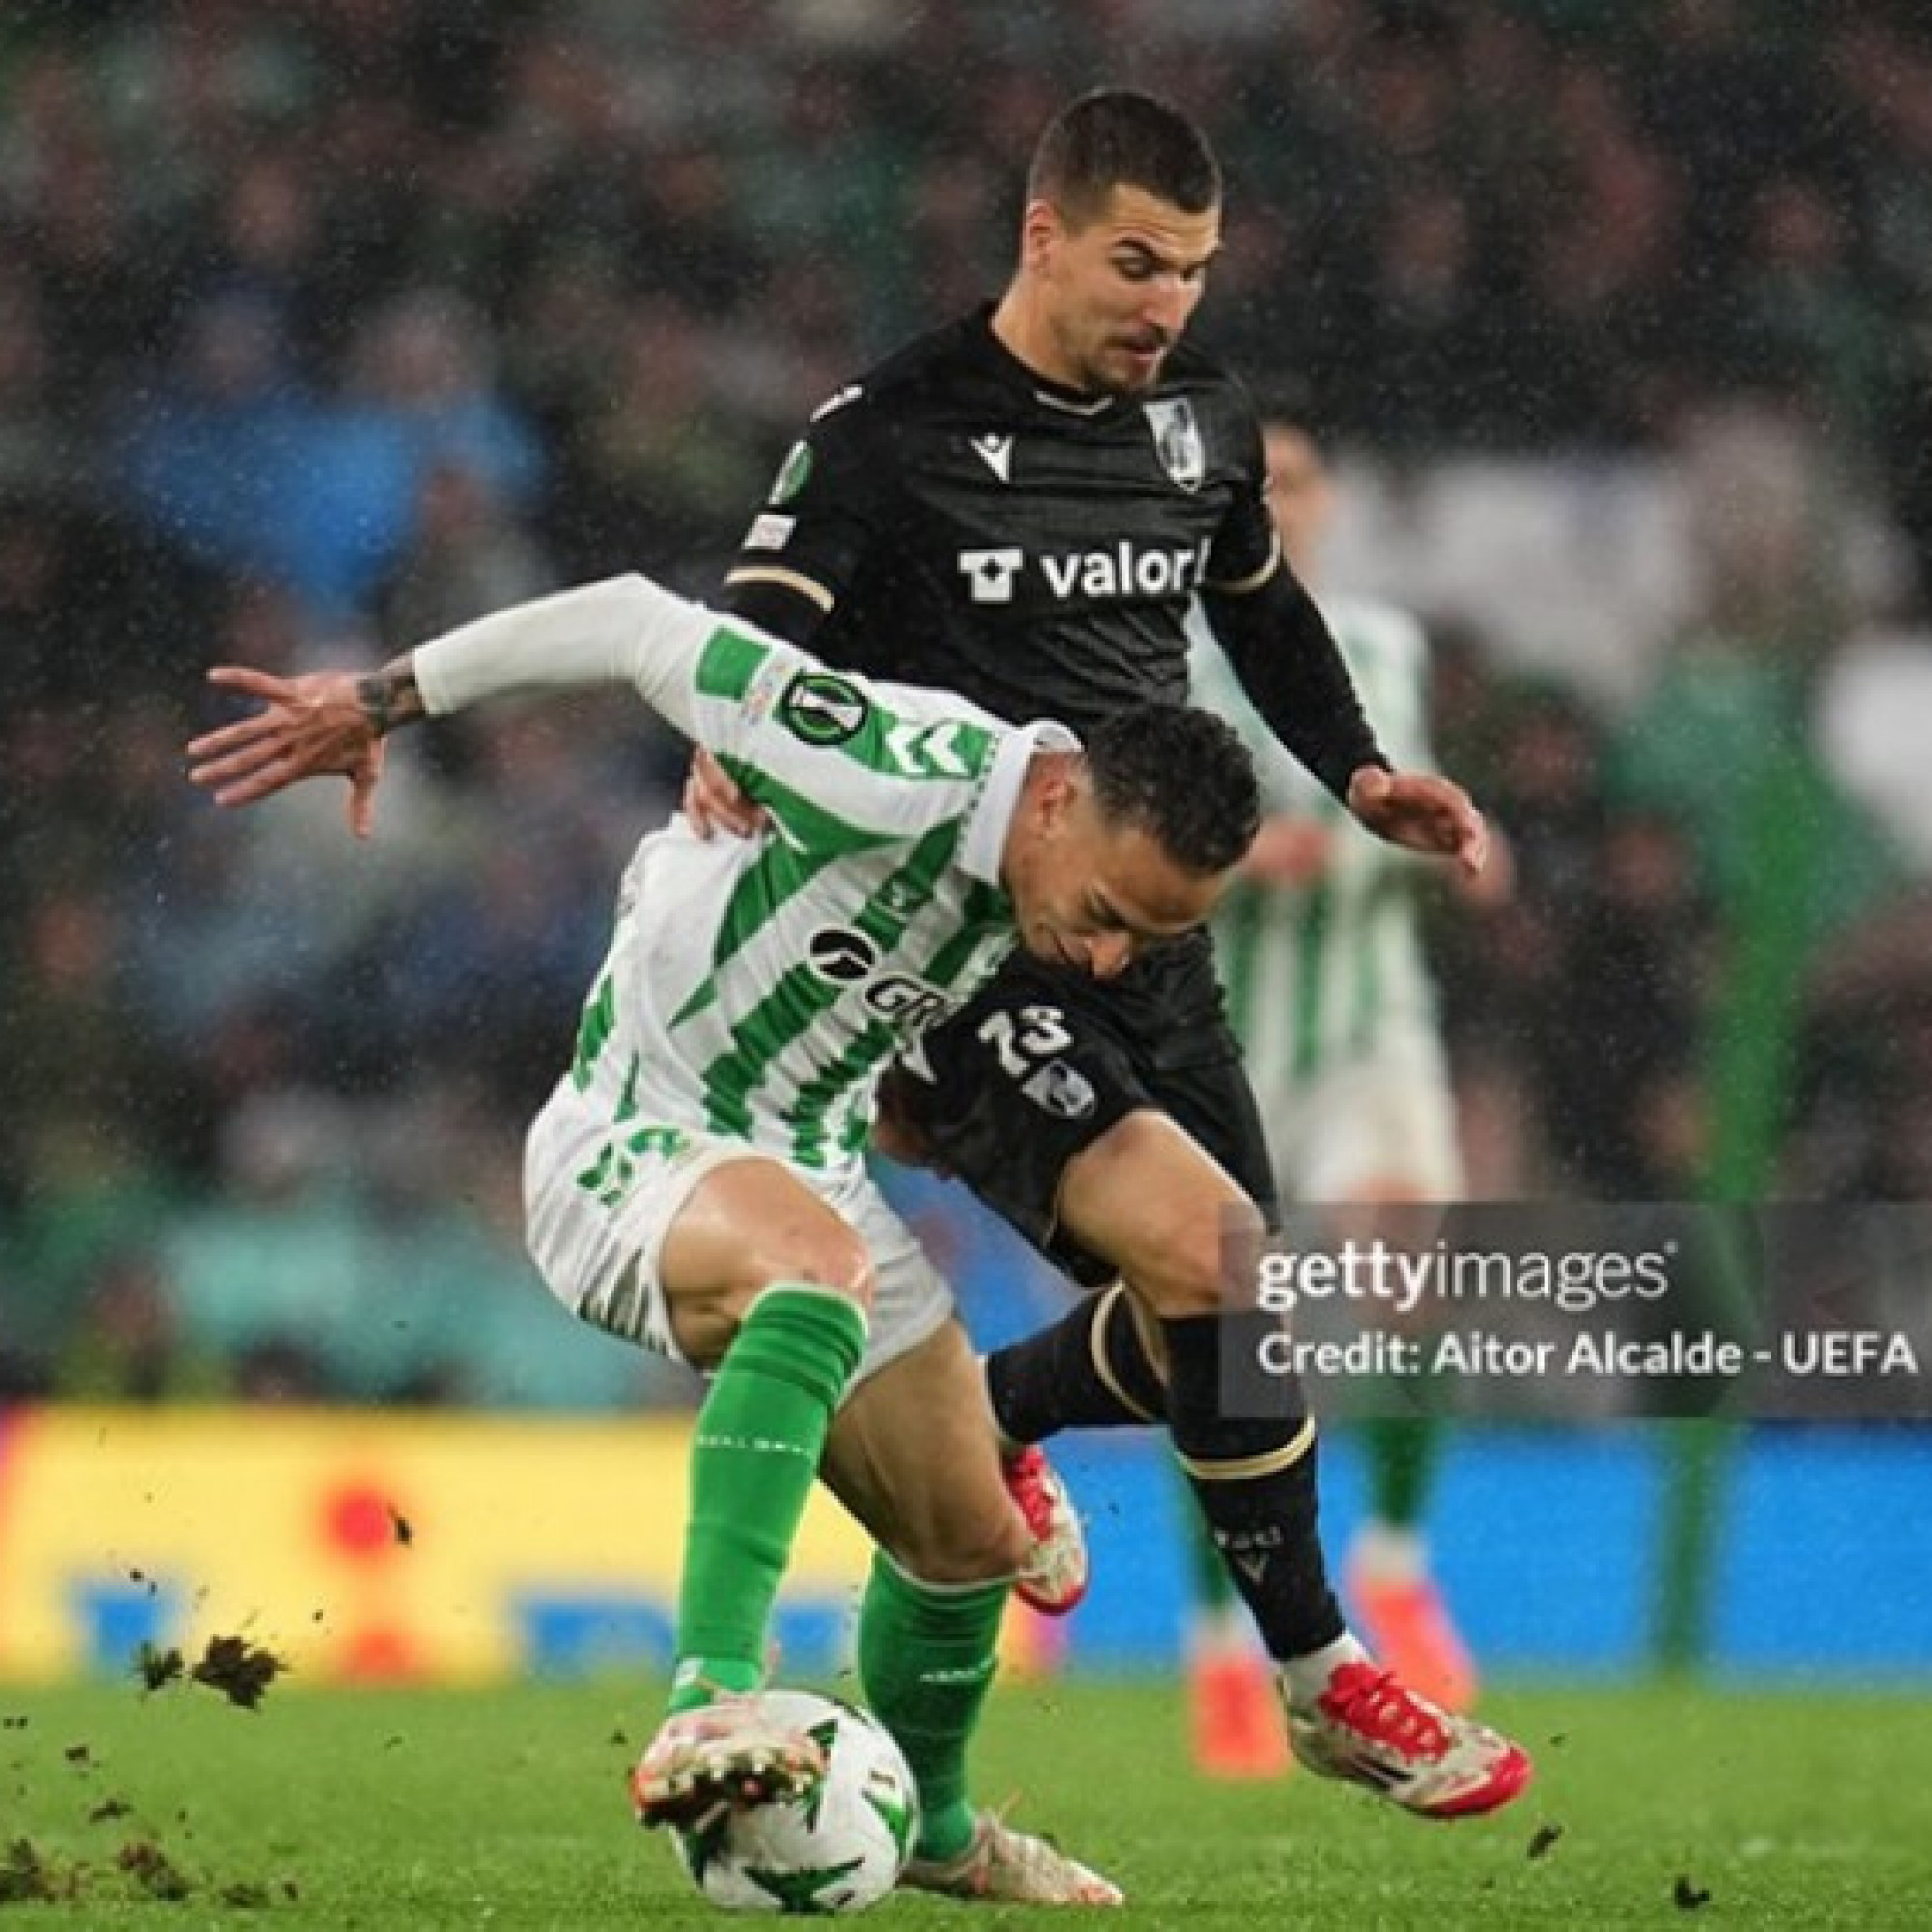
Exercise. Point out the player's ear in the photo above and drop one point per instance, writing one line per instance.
(1060, 790)
(1041, 230)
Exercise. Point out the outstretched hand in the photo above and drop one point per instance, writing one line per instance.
(1422, 812)
(313, 727)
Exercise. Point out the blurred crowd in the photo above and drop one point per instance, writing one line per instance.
(342, 321)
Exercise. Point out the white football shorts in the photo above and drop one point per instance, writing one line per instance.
(598, 1202)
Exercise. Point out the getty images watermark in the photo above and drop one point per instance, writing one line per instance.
(1581, 1310)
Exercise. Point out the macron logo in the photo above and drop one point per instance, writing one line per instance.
(996, 452)
(989, 573)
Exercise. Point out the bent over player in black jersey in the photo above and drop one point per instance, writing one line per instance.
(1020, 507)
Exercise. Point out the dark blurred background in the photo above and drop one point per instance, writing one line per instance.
(325, 325)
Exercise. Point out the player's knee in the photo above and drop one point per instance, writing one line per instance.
(835, 1259)
(1187, 1256)
(845, 1266)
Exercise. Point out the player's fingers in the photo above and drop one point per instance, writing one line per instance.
(236, 764)
(262, 784)
(711, 811)
(362, 784)
(257, 725)
(252, 683)
(1455, 827)
(362, 805)
(1471, 832)
(1473, 846)
(714, 802)
(695, 807)
(1369, 793)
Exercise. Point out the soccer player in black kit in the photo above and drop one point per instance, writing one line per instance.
(1019, 507)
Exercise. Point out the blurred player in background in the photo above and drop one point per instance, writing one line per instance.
(1022, 505)
(1321, 958)
(696, 1185)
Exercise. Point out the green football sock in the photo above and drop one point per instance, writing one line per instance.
(1402, 1458)
(754, 1459)
(926, 1657)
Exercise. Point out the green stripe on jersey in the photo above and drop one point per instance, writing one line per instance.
(987, 910)
(780, 872)
(809, 824)
(758, 1040)
(729, 663)
(811, 1110)
(802, 996)
(837, 1076)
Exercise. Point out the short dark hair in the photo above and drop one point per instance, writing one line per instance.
(1182, 776)
(1114, 137)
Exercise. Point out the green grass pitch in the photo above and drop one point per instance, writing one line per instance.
(1653, 1808)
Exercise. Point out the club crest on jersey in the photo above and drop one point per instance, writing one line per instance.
(822, 709)
(1176, 440)
(1060, 1089)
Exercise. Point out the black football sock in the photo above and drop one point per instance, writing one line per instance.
(1089, 1371)
(1253, 1479)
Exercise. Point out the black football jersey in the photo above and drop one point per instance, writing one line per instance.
(963, 523)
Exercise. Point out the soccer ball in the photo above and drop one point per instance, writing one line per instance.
(839, 1850)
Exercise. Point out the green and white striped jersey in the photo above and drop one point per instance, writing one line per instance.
(1315, 975)
(754, 987)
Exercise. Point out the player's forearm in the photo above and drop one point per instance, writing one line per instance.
(1212, 682)
(625, 630)
(1290, 665)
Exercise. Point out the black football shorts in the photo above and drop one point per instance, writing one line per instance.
(1044, 1060)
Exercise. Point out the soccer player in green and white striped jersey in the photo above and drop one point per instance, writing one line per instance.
(695, 1184)
(1322, 960)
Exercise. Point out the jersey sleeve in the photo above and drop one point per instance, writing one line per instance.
(825, 509)
(623, 630)
(1245, 550)
(703, 676)
(841, 761)
(1288, 789)
(833, 757)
